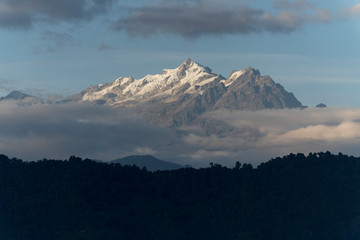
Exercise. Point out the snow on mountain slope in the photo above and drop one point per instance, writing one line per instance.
(188, 78)
(233, 76)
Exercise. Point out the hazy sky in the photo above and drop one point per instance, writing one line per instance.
(63, 46)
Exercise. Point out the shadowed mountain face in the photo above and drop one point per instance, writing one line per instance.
(179, 96)
(151, 163)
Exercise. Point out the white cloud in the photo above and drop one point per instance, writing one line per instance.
(345, 131)
(281, 132)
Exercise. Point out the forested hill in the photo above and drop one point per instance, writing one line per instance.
(294, 197)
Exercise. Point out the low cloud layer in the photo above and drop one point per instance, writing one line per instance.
(279, 132)
(99, 132)
(58, 131)
(193, 19)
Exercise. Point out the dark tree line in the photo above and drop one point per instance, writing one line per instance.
(293, 197)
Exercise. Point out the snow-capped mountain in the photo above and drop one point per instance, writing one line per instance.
(178, 96)
(188, 78)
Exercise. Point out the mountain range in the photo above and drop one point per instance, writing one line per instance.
(179, 96)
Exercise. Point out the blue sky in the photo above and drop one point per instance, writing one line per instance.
(63, 46)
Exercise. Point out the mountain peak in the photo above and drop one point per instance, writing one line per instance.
(21, 98)
(187, 64)
(17, 95)
(249, 70)
(252, 70)
(191, 66)
(188, 61)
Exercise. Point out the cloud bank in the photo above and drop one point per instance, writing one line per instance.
(187, 18)
(192, 19)
(279, 132)
(58, 131)
(99, 132)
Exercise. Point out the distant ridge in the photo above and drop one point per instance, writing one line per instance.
(151, 163)
(21, 98)
(321, 105)
(17, 95)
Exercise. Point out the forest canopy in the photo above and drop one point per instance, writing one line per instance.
(293, 197)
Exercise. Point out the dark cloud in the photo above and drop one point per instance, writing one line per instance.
(23, 14)
(202, 18)
(190, 21)
(188, 18)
